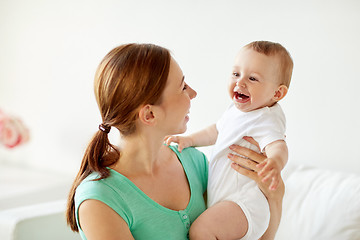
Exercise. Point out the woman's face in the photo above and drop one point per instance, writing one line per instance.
(175, 102)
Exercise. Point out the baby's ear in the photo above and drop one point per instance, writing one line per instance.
(280, 93)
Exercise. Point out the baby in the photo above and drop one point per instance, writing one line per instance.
(237, 208)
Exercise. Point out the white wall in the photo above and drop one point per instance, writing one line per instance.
(49, 51)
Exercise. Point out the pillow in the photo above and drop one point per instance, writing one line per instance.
(320, 204)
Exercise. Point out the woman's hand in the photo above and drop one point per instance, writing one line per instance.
(247, 166)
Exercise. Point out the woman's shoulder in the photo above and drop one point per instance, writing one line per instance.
(111, 191)
(95, 188)
(192, 158)
(91, 186)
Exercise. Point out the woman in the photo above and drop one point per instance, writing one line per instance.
(144, 189)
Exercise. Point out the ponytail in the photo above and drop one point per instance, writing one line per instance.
(99, 154)
(128, 77)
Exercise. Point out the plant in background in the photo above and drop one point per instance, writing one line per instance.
(12, 131)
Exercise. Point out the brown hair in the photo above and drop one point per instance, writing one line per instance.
(275, 49)
(128, 77)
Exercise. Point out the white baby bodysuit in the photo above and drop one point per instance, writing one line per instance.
(265, 125)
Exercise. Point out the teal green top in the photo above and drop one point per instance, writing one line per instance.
(146, 218)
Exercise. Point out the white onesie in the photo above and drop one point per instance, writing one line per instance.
(265, 125)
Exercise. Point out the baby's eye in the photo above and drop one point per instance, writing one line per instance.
(235, 74)
(252, 79)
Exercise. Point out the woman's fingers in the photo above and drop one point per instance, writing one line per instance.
(257, 157)
(247, 163)
(252, 141)
(244, 171)
(244, 162)
(248, 168)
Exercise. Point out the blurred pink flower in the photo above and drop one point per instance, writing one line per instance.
(12, 131)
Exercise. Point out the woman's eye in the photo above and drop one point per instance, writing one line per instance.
(252, 79)
(235, 74)
(185, 86)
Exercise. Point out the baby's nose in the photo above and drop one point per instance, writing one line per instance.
(240, 83)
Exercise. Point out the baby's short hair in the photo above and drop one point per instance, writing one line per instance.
(275, 49)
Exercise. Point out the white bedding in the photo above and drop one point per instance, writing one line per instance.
(320, 204)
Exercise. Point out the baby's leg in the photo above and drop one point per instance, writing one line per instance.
(224, 220)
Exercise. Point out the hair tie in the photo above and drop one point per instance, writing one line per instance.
(104, 128)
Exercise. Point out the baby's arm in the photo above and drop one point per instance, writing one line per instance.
(204, 137)
(277, 156)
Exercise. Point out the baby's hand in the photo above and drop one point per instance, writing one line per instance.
(270, 169)
(182, 141)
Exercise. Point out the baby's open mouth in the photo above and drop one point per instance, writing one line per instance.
(240, 96)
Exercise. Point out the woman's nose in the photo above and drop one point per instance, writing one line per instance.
(192, 93)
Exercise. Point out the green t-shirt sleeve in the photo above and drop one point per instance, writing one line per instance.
(101, 191)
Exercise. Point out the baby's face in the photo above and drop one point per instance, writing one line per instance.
(254, 80)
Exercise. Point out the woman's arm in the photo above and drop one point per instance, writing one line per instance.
(275, 215)
(274, 197)
(99, 221)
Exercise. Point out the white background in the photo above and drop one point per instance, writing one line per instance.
(49, 51)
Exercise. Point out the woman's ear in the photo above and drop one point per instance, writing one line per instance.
(280, 93)
(146, 115)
